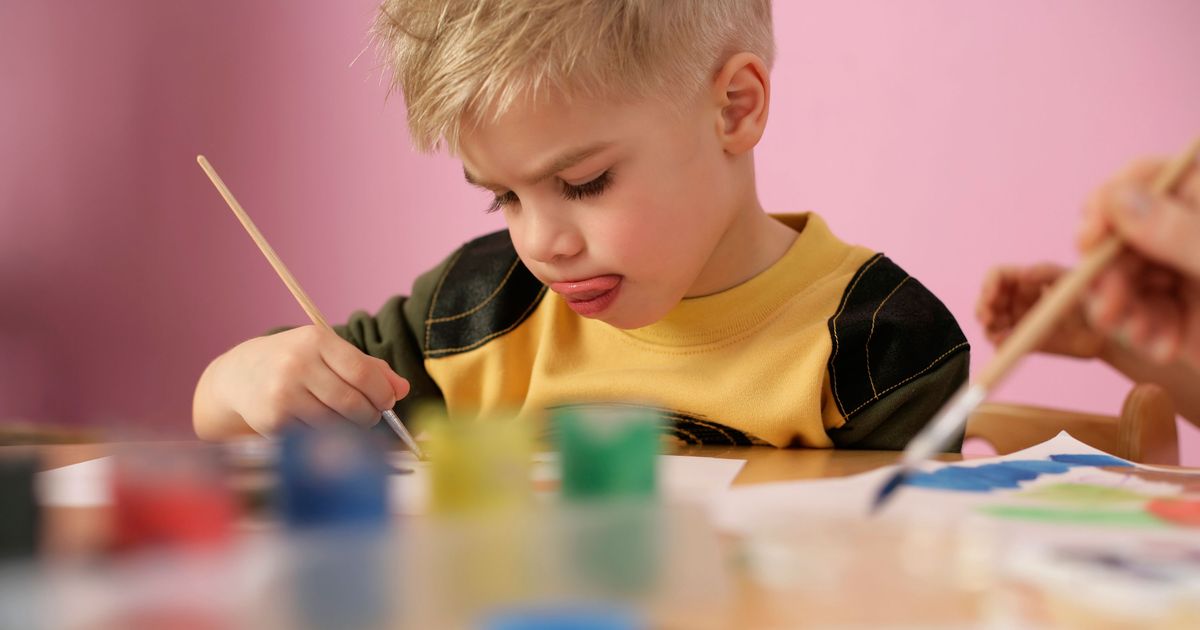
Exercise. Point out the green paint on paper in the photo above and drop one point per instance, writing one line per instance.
(1074, 516)
(1082, 494)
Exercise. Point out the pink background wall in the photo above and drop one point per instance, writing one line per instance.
(952, 135)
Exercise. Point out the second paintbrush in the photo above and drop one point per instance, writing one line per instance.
(1029, 333)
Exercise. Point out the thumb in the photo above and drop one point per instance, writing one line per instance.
(399, 383)
(1159, 228)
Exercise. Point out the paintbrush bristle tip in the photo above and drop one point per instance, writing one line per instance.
(887, 490)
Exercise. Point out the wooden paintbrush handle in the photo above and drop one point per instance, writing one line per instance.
(297, 292)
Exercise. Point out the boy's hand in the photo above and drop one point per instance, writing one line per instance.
(1150, 296)
(307, 375)
(1007, 295)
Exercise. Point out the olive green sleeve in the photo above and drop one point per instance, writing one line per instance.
(396, 334)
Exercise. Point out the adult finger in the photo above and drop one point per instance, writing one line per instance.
(1097, 222)
(1160, 228)
(1108, 301)
(1044, 274)
(990, 300)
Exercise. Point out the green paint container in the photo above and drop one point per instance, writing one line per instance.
(608, 452)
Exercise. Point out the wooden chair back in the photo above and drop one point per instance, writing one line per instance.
(1144, 432)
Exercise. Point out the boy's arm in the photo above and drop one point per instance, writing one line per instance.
(898, 354)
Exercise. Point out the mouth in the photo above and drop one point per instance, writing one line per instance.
(589, 296)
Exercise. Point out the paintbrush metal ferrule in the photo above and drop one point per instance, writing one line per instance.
(888, 488)
(393, 421)
(945, 426)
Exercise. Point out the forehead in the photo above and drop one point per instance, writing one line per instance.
(532, 133)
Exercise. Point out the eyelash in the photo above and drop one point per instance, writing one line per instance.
(593, 188)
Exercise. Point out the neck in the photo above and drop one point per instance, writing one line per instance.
(751, 243)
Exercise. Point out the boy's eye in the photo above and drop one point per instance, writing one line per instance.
(500, 201)
(588, 189)
(571, 192)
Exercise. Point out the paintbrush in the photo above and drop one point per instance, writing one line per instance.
(1027, 336)
(315, 315)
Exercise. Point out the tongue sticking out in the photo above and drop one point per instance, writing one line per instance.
(588, 289)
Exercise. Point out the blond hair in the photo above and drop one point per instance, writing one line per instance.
(459, 61)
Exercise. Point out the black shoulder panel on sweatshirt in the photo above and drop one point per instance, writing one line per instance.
(888, 331)
(484, 293)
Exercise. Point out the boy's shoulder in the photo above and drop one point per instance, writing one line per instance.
(887, 313)
(478, 293)
(894, 345)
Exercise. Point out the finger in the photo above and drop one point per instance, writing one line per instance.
(1189, 325)
(1003, 322)
(1160, 228)
(1044, 274)
(400, 386)
(314, 413)
(297, 406)
(343, 398)
(1159, 279)
(1097, 220)
(1140, 325)
(989, 296)
(996, 309)
(1108, 300)
(1162, 320)
(1094, 227)
(1188, 190)
(1027, 293)
(359, 371)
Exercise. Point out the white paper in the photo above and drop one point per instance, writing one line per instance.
(745, 509)
(86, 484)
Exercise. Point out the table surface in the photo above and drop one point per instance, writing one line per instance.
(78, 530)
(763, 463)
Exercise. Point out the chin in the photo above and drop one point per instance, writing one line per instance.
(630, 320)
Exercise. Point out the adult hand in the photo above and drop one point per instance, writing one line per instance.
(1149, 298)
(1006, 297)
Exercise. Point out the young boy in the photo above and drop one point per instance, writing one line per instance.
(638, 266)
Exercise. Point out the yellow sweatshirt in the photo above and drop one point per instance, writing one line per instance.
(833, 345)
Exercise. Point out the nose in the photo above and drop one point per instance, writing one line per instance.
(547, 236)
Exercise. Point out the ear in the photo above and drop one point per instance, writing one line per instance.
(742, 93)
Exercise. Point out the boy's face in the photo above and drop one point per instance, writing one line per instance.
(619, 208)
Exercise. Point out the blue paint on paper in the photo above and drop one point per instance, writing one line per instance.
(1004, 475)
(1090, 460)
(949, 478)
(1040, 466)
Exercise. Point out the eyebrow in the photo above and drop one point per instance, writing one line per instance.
(561, 163)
